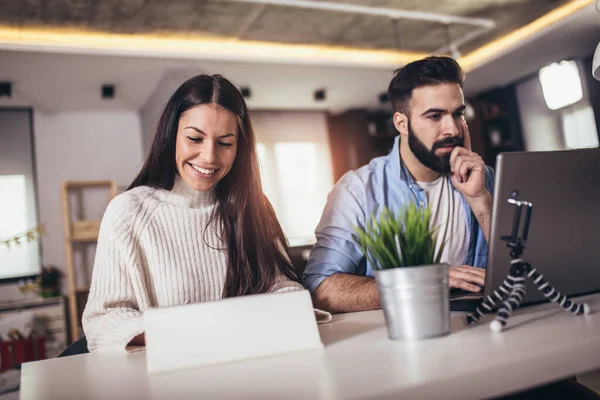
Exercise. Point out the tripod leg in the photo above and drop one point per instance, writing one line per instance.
(513, 302)
(554, 295)
(490, 301)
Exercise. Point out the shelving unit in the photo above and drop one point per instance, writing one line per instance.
(51, 313)
(79, 231)
(496, 128)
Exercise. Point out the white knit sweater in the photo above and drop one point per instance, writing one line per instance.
(154, 251)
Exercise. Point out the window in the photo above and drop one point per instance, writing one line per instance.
(18, 212)
(23, 258)
(296, 170)
(579, 127)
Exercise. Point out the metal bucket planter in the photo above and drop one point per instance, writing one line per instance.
(415, 301)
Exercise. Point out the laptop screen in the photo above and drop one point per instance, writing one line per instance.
(563, 242)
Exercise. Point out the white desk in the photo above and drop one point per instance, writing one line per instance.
(543, 344)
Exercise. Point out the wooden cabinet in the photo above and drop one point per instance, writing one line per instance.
(356, 137)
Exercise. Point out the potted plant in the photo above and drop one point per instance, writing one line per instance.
(412, 283)
(49, 282)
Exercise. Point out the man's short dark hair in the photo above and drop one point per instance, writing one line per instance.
(426, 72)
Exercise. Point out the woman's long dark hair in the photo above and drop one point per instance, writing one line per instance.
(256, 245)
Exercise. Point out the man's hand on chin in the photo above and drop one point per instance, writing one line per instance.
(468, 177)
(468, 169)
(467, 278)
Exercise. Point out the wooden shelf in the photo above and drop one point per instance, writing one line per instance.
(82, 239)
(79, 231)
(88, 184)
(23, 304)
(84, 231)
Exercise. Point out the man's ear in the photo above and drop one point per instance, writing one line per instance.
(401, 123)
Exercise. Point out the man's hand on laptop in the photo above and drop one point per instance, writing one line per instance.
(466, 278)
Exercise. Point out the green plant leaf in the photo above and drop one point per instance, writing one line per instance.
(405, 238)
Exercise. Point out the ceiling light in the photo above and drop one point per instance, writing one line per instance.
(56, 39)
(561, 84)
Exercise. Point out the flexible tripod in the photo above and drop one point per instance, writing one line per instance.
(514, 284)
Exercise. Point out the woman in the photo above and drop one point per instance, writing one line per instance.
(193, 226)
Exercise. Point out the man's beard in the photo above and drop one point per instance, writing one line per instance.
(428, 157)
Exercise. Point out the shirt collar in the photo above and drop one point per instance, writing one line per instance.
(397, 166)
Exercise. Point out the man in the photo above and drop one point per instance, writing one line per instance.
(431, 164)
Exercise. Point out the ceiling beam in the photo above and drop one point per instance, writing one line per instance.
(482, 25)
(256, 13)
(392, 13)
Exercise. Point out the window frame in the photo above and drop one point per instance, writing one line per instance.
(36, 199)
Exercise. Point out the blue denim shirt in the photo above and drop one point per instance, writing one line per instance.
(385, 181)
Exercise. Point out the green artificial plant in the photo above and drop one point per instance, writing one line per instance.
(402, 240)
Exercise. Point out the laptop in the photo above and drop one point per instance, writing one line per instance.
(229, 330)
(564, 234)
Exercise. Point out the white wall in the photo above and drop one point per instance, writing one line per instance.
(81, 146)
(150, 112)
(541, 126)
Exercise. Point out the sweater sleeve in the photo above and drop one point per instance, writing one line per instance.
(284, 284)
(112, 317)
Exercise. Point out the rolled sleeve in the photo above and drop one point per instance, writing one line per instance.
(336, 250)
(489, 179)
(481, 249)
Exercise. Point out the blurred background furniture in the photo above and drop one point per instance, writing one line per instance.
(45, 317)
(82, 231)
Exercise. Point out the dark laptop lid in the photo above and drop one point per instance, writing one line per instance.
(564, 236)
